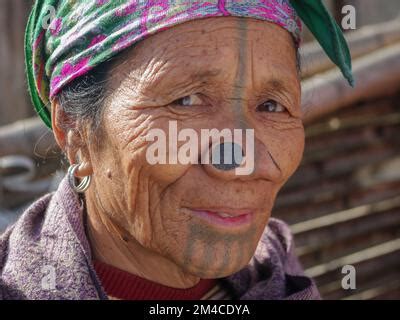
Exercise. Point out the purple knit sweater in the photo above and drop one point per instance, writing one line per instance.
(48, 245)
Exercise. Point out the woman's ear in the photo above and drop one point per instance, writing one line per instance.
(70, 141)
(85, 169)
(57, 119)
(77, 152)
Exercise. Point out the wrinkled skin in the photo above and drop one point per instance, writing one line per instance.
(139, 215)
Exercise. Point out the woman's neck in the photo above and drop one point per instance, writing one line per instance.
(108, 246)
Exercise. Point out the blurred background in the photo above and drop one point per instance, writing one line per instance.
(343, 204)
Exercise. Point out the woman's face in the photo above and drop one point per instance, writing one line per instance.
(230, 73)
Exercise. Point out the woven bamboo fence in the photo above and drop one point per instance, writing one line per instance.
(343, 204)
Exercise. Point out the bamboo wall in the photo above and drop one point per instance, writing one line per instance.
(343, 204)
(14, 102)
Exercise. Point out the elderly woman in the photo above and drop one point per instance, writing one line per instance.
(105, 75)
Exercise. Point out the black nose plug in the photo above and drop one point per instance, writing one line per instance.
(227, 156)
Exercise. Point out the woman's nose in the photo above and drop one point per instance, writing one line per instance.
(227, 156)
(224, 159)
(230, 161)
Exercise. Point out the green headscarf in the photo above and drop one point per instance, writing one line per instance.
(84, 34)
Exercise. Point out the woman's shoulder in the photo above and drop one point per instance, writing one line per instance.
(279, 230)
(26, 229)
(275, 271)
(43, 256)
(276, 248)
(18, 241)
(30, 218)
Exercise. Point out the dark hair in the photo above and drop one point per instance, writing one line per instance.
(82, 100)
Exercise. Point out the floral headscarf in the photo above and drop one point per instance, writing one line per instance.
(65, 39)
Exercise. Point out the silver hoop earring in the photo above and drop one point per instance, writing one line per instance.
(83, 185)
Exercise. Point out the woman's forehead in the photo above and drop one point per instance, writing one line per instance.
(203, 33)
(211, 48)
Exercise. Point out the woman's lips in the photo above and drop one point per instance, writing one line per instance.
(225, 217)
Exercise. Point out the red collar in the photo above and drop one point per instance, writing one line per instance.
(122, 285)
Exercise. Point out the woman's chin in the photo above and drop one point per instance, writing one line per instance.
(216, 273)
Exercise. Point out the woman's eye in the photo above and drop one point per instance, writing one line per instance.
(188, 101)
(271, 106)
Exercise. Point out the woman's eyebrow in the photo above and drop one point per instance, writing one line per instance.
(188, 79)
(277, 84)
(206, 74)
(281, 87)
(193, 76)
(190, 76)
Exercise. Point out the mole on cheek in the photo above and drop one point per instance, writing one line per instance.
(109, 174)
